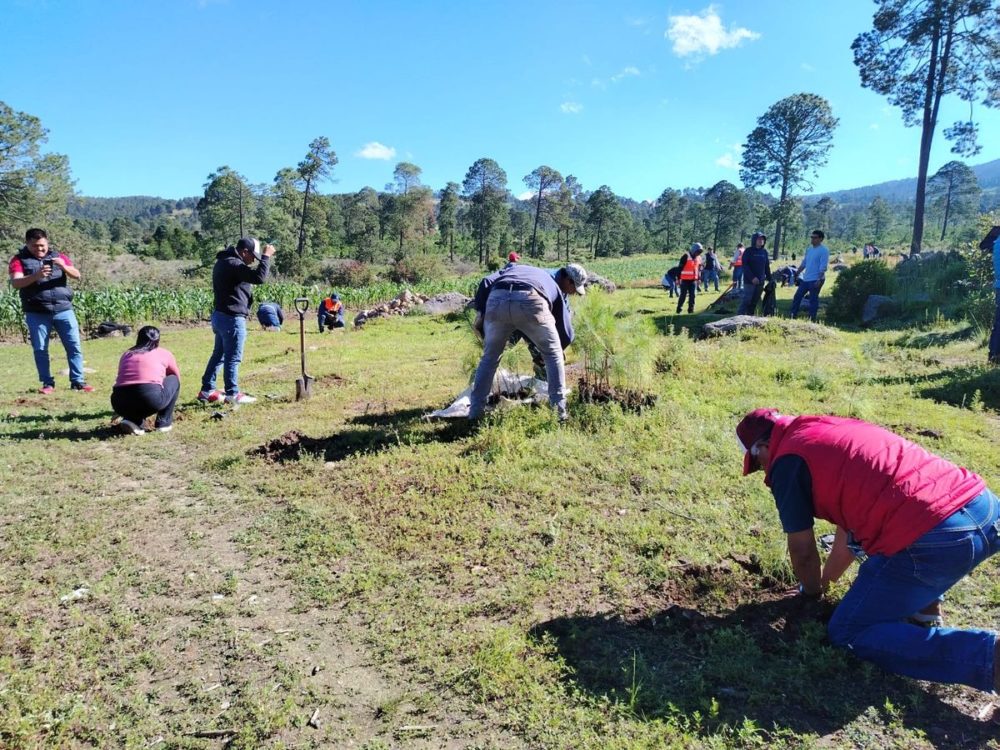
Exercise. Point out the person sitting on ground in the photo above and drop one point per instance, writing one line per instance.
(922, 522)
(534, 302)
(330, 313)
(670, 281)
(689, 269)
(756, 272)
(148, 383)
(270, 316)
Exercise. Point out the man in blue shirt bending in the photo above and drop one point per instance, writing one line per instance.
(811, 274)
(533, 302)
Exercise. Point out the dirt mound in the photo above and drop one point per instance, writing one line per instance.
(289, 447)
(602, 393)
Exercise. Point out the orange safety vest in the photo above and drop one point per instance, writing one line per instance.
(690, 270)
(331, 304)
(739, 259)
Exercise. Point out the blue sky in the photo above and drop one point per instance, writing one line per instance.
(148, 98)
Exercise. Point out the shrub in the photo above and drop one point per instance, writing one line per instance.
(854, 286)
(414, 269)
(351, 274)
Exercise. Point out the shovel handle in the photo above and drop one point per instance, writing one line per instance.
(301, 305)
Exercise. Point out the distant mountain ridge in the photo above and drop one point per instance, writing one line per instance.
(902, 191)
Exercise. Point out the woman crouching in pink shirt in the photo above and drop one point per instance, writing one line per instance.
(148, 383)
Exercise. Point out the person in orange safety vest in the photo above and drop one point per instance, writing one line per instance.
(690, 274)
(331, 313)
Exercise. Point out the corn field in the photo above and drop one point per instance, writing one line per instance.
(145, 304)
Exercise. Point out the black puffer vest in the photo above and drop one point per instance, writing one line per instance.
(51, 295)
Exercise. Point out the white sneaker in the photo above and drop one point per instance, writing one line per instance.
(210, 397)
(125, 427)
(240, 398)
(165, 428)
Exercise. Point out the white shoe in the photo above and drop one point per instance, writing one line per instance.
(240, 398)
(125, 427)
(165, 428)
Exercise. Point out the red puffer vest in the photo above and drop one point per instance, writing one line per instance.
(885, 490)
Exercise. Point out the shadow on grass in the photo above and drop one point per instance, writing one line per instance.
(927, 339)
(958, 386)
(72, 416)
(768, 662)
(73, 434)
(379, 432)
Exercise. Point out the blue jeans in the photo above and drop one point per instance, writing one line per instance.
(995, 335)
(710, 275)
(230, 335)
(812, 289)
(40, 324)
(738, 277)
(870, 621)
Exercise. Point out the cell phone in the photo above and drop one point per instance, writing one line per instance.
(47, 262)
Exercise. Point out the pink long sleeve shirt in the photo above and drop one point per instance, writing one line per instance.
(136, 368)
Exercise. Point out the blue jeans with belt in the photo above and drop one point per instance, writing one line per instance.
(230, 335)
(870, 621)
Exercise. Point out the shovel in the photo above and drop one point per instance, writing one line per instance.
(303, 385)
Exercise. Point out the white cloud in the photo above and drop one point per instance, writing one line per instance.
(376, 150)
(807, 68)
(586, 60)
(731, 159)
(526, 195)
(626, 72)
(873, 126)
(571, 108)
(636, 22)
(704, 34)
(727, 161)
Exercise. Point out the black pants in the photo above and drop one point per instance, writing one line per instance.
(687, 292)
(136, 402)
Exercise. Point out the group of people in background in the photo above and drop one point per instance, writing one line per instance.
(148, 380)
(751, 269)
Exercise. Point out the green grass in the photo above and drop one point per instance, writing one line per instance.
(607, 584)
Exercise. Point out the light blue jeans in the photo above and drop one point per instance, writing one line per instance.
(40, 324)
(871, 619)
(230, 335)
(527, 312)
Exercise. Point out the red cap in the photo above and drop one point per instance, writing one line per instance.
(513, 257)
(752, 428)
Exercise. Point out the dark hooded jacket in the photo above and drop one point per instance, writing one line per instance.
(232, 282)
(756, 261)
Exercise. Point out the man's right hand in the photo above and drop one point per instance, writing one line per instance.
(43, 273)
(269, 250)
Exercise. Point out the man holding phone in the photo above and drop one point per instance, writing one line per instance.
(39, 274)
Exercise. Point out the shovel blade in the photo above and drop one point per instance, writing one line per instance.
(303, 388)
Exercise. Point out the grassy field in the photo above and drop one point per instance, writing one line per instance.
(339, 572)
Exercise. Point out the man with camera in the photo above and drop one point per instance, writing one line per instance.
(39, 274)
(232, 282)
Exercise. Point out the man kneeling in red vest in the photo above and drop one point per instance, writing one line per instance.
(919, 522)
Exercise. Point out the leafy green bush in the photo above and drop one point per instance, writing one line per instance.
(352, 274)
(414, 269)
(854, 286)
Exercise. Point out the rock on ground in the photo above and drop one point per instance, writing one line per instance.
(448, 302)
(876, 306)
(731, 325)
(594, 280)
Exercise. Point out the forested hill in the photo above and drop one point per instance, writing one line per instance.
(138, 208)
(902, 191)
